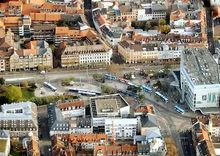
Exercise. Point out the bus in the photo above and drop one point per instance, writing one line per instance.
(87, 93)
(164, 98)
(179, 110)
(146, 89)
(110, 77)
(50, 86)
(84, 91)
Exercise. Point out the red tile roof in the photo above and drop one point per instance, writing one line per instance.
(71, 104)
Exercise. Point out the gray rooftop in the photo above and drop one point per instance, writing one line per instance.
(108, 104)
(18, 111)
(200, 66)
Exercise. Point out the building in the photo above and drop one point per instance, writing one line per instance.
(72, 36)
(19, 118)
(19, 25)
(148, 52)
(4, 142)
(43, 32)
(72, 109)
(33, 147)
(74, 144)
(110, 150)
(38, 54)
(214, 126)
(202, 140)
(73, 56)
(15, 8)
(121, 129)
(68, 118)
(109, 106)
(200, 80)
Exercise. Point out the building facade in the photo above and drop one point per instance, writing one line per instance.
(37, 55)
(200, 80)
(121, 128)
(88, 54)
(19, 118)
(138, 52)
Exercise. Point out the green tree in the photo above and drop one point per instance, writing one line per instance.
(164, 29)
(2, 81)
(162, 22)
(14, 94)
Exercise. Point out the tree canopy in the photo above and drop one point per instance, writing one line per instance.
(2, 81)
(14, 94)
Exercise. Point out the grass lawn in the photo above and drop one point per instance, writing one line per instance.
(13, 153)
(27, 93)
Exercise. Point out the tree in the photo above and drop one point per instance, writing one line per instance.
(114, 69)
(164, 29)
(162, 22)
(24, 84)
(2, 81)
(14, 94)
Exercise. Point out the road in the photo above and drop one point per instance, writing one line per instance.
(44, 138)
(58, 74)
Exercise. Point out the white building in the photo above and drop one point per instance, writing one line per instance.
(19, 118)
(88, 54)
(200, 80)
(120, 128)
(106, 107)
(4, 142)
(72, 109)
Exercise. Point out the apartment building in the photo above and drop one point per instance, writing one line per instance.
(202, 140)
(15, 8)
(19, 118)
(73, 56)
(214, 126)
(200, 80)
(43, 32)
(69, 144)
(110, 150)
(45, 18)
(38, 54)
(71, 109)
(68, 118)
(33, 146)
(18, 25)
(149, 53)
(121, 129)
(5, 143)
(64, 34)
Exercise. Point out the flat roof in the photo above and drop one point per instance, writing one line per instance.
(107, 104)
(200, 66)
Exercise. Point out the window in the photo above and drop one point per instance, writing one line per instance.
(204, 98)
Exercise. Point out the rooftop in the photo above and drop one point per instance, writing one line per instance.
(19, 111)
(108, 105)
(200, 66)
(65, 105)
(100, 48)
